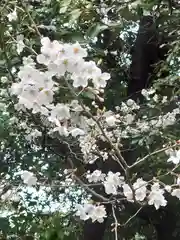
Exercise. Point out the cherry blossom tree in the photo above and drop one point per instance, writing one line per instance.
(57, 94)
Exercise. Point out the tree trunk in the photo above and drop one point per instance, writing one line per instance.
(144, 55)
(166, 227)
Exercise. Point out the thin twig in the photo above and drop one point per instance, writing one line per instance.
(116, 224)
(151, 154)
(133, 216)
(31, 19)
(117, 151)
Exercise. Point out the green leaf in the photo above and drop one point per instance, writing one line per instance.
(74, 36)
(75, 14)
(64, 6)
(127, 14)
(95, 29)
(89, 95)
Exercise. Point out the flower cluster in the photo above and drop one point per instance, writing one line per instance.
(37, 87)
(139, 191)
(90, 211)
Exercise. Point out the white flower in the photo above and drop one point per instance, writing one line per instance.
(111, 121)
(176, 193)
(105, 156)
(132, 104)
(112, 182)
(140, 189)
(96, 176)
(20, 43)
(128, 119)
(62, 130)
(168, 188)
(178, 180)
(50, 48)
(75, 106)
(43, 59)
(127, 192)
(144, 92)
(90, 69)
(98, 214)
(12, 16)
(110, 188)
(77, 132)
(164, 100)
(75, 50)
(45, 97)
(169, 152)
(33, 135)
(156, 197)
(60, 111)
(83, 210)
(155, 98)
(28, 178)
(79, 80)
(4, 79)
(147, 93)
(28, 61)
(174, 157)
(15, 197)
(124, 108)
(100, 79)
(86, 211)
(30, 92)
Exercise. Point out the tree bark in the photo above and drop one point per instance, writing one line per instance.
(166, 226)
(144, 56)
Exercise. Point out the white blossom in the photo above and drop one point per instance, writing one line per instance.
(96, 176)
(83, 211)
(132, 104)
(147, 92)
(28, 61)
(111, 121)
(12, 16)
(168, 188)
(178, 180)
(112, 182)
(156, 196)
(60, 111)
(79, 80)
(174, 157)
(20, 43)
(140, 189)
(176, 193)
(86, 211)
(28, 178)
(75, 50)
(100, 79)
(33, 135)
(127, 192)
(4, 79)
(128, 119)
(98, 214)
(75, 106)
(77, 132)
